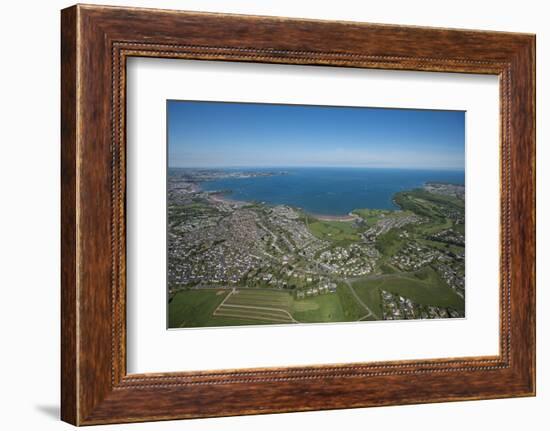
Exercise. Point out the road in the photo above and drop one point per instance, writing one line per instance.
(360, 301)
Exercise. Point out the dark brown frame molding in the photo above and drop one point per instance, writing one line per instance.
(95, 43)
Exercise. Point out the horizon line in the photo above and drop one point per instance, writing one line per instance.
(314, 166)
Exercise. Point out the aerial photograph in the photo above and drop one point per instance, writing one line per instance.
(304, 214)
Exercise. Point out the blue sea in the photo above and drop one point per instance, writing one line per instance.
(330, 191)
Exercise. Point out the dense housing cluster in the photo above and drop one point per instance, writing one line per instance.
(233, 262)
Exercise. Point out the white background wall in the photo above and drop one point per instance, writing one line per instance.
(29, 214)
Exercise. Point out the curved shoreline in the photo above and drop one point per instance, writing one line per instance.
(343, 218)
(220, 197)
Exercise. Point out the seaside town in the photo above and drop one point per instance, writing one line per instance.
(240, 263)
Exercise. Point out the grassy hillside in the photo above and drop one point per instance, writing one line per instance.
(191, 308)
(335, 231)
(201, 307)
(423, 287)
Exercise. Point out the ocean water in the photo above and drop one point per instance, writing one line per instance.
(330, 191)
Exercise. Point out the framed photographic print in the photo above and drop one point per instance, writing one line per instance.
(277, 234)
(322, 214)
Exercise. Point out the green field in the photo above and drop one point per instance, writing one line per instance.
(190, 308)
(352, 309)
(341, 232)
(424, 287)
(371, 216)
(436, 211)
(204, 307)
(256, 306)
(428, 204)
(389, 243)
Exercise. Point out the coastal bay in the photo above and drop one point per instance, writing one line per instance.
(257, 261)
(328, 191)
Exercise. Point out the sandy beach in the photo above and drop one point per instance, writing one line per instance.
(347, 218)
(222, 198)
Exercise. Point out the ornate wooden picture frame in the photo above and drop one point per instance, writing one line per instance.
(96, 41)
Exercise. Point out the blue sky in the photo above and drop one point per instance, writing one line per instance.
(217, 134)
